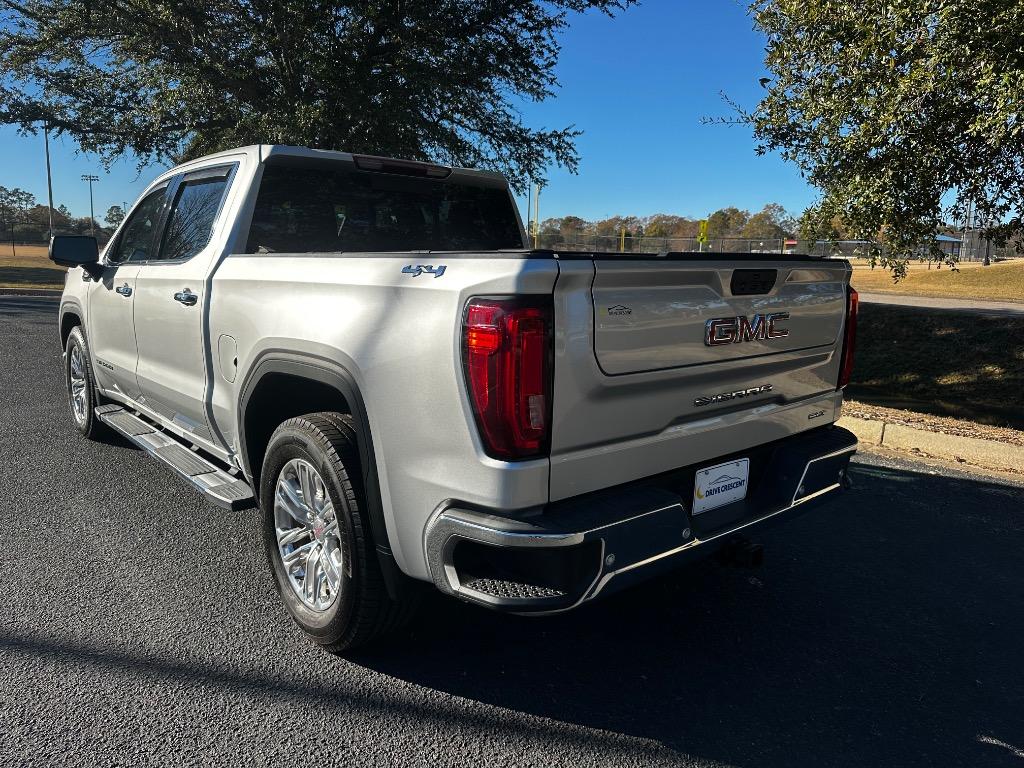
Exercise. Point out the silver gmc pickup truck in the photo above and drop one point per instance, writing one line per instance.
(369, 351)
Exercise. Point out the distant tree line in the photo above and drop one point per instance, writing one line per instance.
(770, 223)
(23, 220)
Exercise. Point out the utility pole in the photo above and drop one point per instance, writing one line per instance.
(536, 216)
(529, 211)
(92, 215)
(49, 178)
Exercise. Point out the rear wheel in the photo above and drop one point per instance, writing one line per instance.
(317, 536)
(83, 396)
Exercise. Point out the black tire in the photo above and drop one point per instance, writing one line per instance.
(362, 610)
(77, 349)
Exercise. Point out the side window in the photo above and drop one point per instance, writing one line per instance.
(135, 241)
(190, 223)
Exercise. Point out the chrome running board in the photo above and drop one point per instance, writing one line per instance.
(215, 483)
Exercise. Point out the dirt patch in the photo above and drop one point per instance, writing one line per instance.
(30, 268)
(18, 252)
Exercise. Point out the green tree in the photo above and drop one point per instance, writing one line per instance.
(114, 216)
(727, 222)
(902, 113)
(771, 223)
(669, 225)
(573, 227)
(38, 217)
(420, 80)
(550, 226)
(14, 205)
(610, 227)
(83, 225)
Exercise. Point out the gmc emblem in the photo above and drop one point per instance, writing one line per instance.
(733, 330)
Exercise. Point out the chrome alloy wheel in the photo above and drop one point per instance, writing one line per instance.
(79, 397)
(307, 535)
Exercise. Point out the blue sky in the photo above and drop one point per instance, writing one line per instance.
(637, 85)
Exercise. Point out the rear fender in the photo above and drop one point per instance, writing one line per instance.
(332, 374)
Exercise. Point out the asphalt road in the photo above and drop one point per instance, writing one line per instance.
(140, 627)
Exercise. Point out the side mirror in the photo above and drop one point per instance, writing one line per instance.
(76, 251)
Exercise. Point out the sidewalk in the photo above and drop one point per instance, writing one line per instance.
(975, 306)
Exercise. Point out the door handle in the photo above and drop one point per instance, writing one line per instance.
(124, 290)
(186, 297)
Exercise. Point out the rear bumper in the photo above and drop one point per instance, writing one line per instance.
(581, 548)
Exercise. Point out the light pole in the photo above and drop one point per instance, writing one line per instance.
(49, 179)
(92, 216)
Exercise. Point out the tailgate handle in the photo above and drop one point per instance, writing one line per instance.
(753, 282)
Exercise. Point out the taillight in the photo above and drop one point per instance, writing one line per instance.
(849, 339)
(507, 355)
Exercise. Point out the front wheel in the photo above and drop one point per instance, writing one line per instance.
(317, 536)
(81, 384)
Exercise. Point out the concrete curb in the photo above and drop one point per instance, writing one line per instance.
(989, 454)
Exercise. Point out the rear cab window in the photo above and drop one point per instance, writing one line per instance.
(336, 207)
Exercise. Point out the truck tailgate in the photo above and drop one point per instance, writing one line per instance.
(649, 317)
(664, 362)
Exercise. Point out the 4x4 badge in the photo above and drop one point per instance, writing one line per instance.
(419, 269)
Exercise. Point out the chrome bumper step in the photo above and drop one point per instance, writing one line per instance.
(579, 548)
(215, 483)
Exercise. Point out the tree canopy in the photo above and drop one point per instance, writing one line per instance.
(114, 216)
(14, 205)
(168, 81)
(903, 113)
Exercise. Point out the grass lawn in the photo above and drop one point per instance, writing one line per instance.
(30, 268)
(945, 363)
(1003, 281)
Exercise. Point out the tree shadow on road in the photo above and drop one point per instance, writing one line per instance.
(885, 630)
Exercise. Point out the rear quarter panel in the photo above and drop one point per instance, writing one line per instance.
(399, 338)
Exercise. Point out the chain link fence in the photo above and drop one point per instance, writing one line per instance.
(973, 248)
(638, 244)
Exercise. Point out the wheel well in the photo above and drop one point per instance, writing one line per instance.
(277, 398)
(67, 322)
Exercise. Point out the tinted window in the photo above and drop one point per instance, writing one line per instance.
(135, 240)
(302, 209)
(191, 220)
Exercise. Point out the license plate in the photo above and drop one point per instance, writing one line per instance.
(720, 484)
